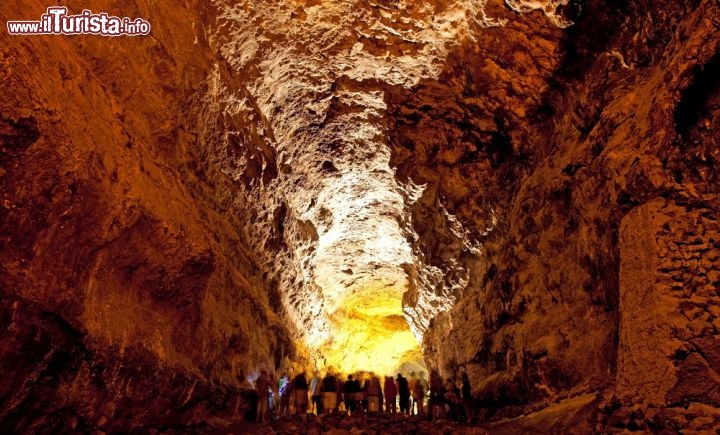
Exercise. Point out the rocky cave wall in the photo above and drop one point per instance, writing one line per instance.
(601, 272)
(130, 295)
(537, 200)
(347, 246)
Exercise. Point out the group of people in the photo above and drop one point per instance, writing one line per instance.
(451, 399)
(267, 403)
(365, 392)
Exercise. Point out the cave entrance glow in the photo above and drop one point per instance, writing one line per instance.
(360, 268)
(371, 334)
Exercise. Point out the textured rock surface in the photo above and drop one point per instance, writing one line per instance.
(602, 261)
(279, 183)
(129, 293)
(326, 77)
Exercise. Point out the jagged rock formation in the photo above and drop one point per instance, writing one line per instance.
(525, 188)
(601, 272)
(130, 295)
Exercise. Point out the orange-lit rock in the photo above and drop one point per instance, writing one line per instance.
(601, 266)
(130, 294)
(527, 189)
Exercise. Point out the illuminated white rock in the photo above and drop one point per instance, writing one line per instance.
(319, 75)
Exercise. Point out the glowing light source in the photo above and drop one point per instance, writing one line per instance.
(379, 343)
(359, 267)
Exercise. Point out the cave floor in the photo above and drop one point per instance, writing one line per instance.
(339, 424)
(567, 416)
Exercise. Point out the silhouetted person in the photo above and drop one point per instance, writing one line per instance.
(437, 396)
(329, 391)
(339, 393)
(262, 387)
(366, 384)
(418, 394)
(300, 393)
(390, 393)
(373, 391)
(452, 399)
(284, 391)
(315, 386)
(404, 393)
(411, 383)
(352, 393)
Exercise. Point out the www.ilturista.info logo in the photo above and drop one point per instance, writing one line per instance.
(57, 22)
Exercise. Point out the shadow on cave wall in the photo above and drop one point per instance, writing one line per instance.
(462, 136)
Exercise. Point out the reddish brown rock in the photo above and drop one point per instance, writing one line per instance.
(130, 296)
(282, 184)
